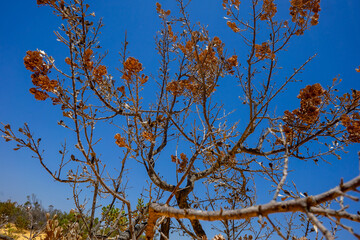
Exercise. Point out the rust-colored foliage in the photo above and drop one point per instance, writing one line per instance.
(189, 87)
(352, 121)
(182, 162)
(42, 2)
(143, 79)
(39, 95)
(236, 3)
(148, 136)
(175, 159)
(231, 63)
(188, 48)
(120, 141)
(87, 59)
(269, 9)
(171, 33)
(121, 89)
(34, 62)
(233, 26)
(310, 97)
(99, 72)
(207, 61)
(132, 67)
(289, 134)
(308, 113)
(161, 11)
(68, 60)
(352, 124)
(300, 10)
(71, 63)
(263, 51)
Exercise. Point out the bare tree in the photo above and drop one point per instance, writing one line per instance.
(184, 123)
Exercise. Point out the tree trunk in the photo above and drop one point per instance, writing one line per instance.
(165, 229)
(183, 204)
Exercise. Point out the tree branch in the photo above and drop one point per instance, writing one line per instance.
(295, 205)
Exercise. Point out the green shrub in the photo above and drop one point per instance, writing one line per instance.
(22, 221)
(8, 210)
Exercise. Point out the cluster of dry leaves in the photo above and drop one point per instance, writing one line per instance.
(34, 62)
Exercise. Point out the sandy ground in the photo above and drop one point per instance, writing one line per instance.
(13, 232)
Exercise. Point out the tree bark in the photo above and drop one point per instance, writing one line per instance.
(305, 205)
(139, 228)
(181, 199)
(165, 229)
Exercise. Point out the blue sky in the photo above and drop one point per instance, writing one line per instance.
(25, 26)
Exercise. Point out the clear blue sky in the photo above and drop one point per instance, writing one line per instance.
(24, 26)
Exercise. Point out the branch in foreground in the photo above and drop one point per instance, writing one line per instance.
(296, 205)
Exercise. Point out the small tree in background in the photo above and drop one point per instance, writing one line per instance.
(216, 161)
(30, 215)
